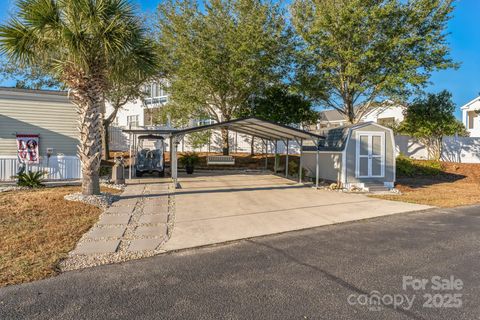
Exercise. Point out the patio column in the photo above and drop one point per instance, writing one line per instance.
(286, 160)
(300, 166)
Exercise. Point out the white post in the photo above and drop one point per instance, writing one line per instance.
(171, 156)
(301, 162)
(266, 154)
(275, 164)
(286, 161)
(317, 169)
(133, 161)
(174, 162)
(130, 158)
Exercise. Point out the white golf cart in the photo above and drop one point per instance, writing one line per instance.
(150, 155)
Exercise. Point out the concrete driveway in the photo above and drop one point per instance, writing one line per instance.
(215, 208)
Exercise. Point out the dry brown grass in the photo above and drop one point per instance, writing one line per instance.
(37, 229)
(459, 185)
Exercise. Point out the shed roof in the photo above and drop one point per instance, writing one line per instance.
(336, 138)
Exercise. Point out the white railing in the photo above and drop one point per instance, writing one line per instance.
(57, 167)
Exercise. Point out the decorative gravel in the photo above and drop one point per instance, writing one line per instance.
(120, 187)
(80, 261)
(12, 188)
(103, 200)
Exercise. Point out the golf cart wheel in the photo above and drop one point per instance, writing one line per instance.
(161, 173)
(138, 173)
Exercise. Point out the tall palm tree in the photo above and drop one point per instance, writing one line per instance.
(87, 45)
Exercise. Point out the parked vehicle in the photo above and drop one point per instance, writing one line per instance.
(150, 160)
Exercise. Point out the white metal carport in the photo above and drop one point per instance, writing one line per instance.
(262, 129)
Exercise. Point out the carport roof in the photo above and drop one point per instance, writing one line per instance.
(258, 128)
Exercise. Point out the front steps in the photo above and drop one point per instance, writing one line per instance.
(375, 187)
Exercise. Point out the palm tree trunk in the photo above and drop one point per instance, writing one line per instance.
(89, 100)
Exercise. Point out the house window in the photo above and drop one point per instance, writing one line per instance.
(132, 121)
(204, 122)
(472, 117)
(155, 93)
(386, 121)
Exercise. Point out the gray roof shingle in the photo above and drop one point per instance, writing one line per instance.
(335, 139)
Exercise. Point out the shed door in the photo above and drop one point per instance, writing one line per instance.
(370, 157)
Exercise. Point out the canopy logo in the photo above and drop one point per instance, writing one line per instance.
(375, 300)
(437, 292)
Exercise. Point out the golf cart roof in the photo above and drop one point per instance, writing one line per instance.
(150, 137)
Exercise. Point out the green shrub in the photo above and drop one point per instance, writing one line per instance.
(105, 171)
(293, 169)
(407, 167)
(30, 179)
(189, 159)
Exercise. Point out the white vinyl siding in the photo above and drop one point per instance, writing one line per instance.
(51, 116)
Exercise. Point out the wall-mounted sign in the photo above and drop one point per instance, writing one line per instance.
(27, 148)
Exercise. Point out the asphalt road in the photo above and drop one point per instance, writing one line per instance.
(324, 273)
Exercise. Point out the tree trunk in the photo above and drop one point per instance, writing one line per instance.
(105, 141)
(351, 114)
(89, 100)
(252, 146)
(437, 151)
(225, 142)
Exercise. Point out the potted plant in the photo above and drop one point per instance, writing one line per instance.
(188, 160)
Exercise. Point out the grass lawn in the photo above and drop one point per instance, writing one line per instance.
(37, 229)
(457, 185)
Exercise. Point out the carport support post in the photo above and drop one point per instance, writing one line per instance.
(130, 157)
(317, 168)
(266, 154)
(135, 149)
(301, 162)
(275, 164)
(173, 160)
(171, 156)
(286, 160)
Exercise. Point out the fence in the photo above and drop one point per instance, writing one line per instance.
(454, 149)
(57, 168)
(117, 140)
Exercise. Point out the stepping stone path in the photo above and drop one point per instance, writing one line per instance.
(133, 227)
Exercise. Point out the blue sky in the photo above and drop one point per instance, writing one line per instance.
(464, 39)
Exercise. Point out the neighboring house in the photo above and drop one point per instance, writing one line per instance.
(49, 120)
(471, 118)
(386, 114)
(141, 112)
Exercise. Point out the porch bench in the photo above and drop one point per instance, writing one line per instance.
(221, 160)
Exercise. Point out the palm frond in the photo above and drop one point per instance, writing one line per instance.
(91, 36)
